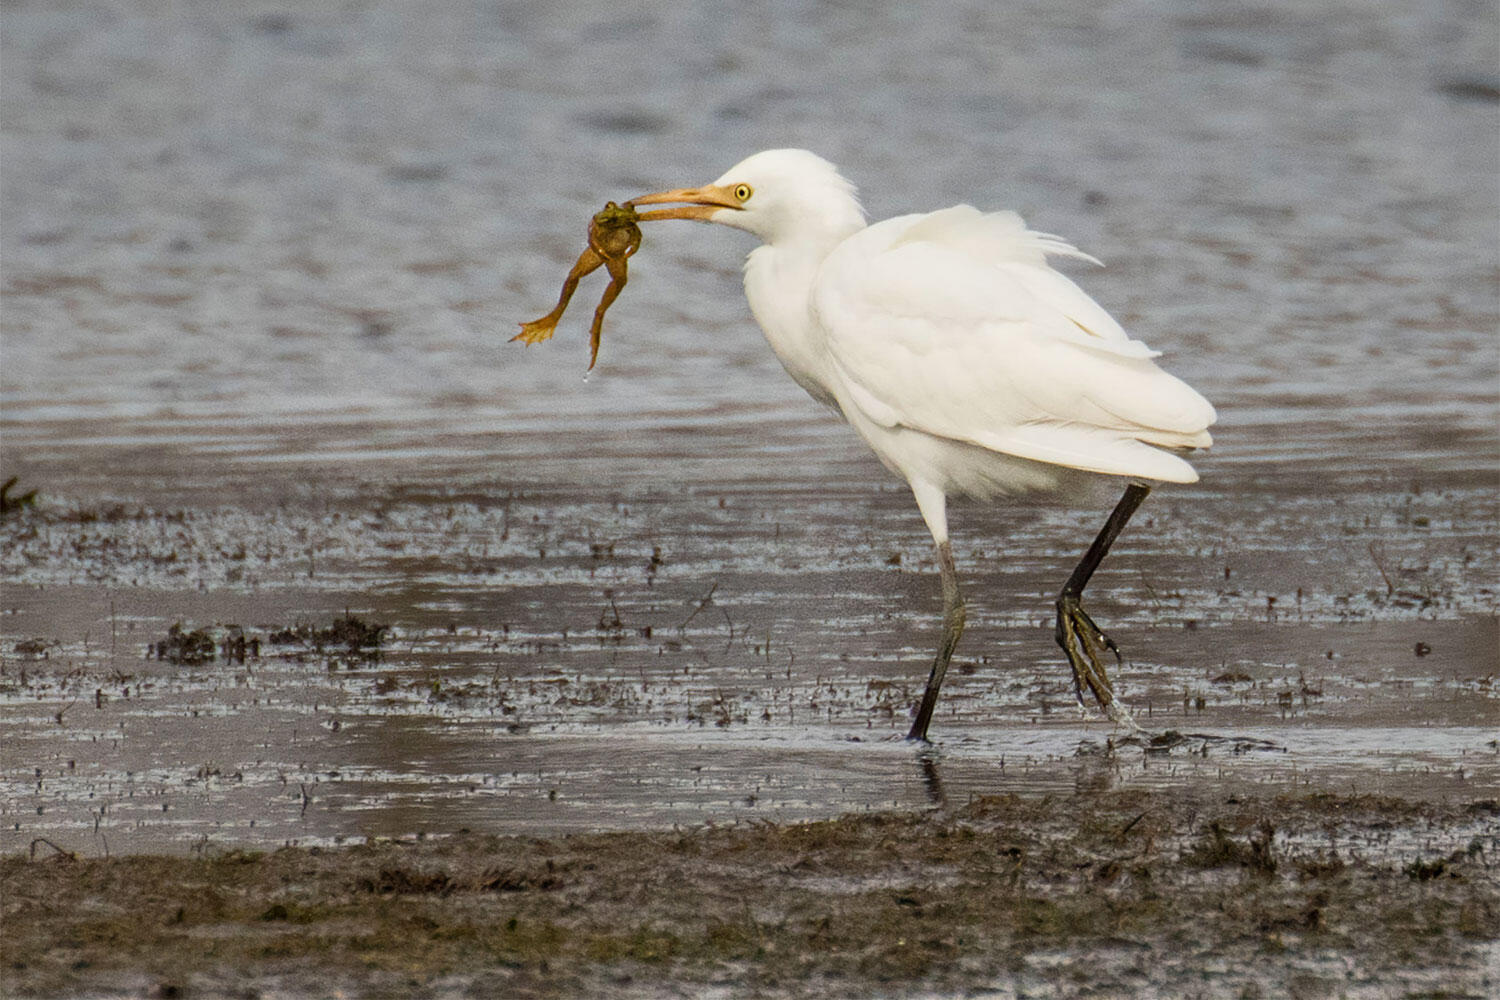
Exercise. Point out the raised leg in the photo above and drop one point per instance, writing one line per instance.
(953, 627)
(1081, 640)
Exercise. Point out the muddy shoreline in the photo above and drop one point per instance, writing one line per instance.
(548, 659)
(1142, 893)
(531, 742)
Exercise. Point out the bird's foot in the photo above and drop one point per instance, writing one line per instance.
(1084, 643)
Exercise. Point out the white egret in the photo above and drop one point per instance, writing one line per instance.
(962, 358)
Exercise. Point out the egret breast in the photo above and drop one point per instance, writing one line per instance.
(777, 286)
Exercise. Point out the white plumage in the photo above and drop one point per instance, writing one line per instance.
(952, 347)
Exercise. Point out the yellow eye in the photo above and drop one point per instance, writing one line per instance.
(742, 192)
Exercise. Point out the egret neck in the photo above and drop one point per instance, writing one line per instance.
(779, 284)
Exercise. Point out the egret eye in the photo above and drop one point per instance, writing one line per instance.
(742, 192)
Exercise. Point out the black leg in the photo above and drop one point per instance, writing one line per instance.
(953, 627)
(1081, 640)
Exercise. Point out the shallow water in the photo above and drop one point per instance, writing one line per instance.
(555, 662)
(260, 268)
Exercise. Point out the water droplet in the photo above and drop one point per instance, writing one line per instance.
(585, 378)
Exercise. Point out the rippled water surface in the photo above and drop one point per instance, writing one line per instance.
(260, 268)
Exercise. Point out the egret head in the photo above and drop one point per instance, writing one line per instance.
(780, 195)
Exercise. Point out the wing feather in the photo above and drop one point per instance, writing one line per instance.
(953, 324)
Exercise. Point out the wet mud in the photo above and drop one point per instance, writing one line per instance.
(1099, 891)
(388, 661)
(525, 740)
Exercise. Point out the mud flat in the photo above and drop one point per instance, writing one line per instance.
(384, 660)
(531, 741)
(1144, 893)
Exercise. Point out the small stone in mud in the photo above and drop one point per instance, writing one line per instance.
(10, 504)
(1218, 850)
(33, 648)
(348, 633)
(189, 648)
(1423, 871)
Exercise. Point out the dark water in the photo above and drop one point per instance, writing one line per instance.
(259, 270)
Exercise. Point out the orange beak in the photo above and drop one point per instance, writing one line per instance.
(693, 203)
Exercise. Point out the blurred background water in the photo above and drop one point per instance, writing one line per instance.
(258, 233)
